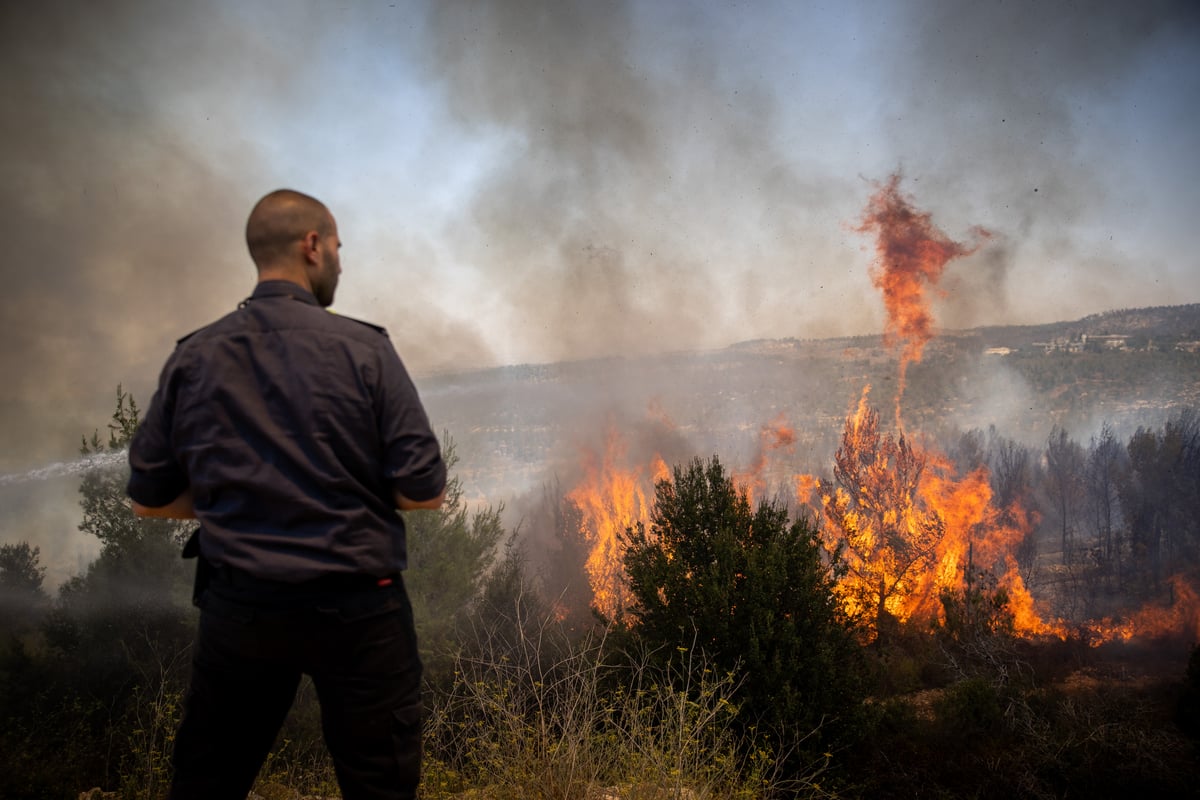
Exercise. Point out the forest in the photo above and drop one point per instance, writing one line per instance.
(973, 618)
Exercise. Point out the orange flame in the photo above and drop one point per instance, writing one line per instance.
(1180, 616)
(911, 253)
(905, 527)
(612, 497)
(907, 530)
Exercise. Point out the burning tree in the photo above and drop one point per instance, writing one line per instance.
(884, 537)
(906, 530)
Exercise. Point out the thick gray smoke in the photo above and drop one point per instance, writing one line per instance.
(643, 202)
(653, 188)
(109, 214)
(1023, 117)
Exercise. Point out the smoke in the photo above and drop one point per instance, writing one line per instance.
(110, 212)
(642, 202)
(1028, 118)
(574, 179)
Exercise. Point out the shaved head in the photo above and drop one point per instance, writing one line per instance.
(279, 220)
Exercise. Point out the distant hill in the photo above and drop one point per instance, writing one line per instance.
(516, 426)
(1163, 324)
(1171, 323)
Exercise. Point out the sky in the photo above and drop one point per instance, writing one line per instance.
(527, 182)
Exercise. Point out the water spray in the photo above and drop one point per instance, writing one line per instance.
(63, 469)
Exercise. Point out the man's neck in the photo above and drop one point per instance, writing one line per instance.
(292, 275)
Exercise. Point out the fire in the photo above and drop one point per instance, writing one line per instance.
(1182, 615)
(777, 435)
(911, 254)
(612, 497)
(907, 530)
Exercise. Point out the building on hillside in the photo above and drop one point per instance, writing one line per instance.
(1106, 341)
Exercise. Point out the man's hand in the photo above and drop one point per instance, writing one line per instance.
(404, 504)
(179, 508)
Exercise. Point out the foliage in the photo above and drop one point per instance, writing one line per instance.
(1187, 707)
(540, 716)
(976, 637)
(750, 591)
(21, 570)
(22, 598)
(977, 739)
(450, 550)
(736, 640)
(91, 695)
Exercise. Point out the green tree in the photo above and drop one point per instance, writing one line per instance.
(449, 553)
(139, 564)
(22, 598)
(21, 570)
(76, 704)
(750, 589)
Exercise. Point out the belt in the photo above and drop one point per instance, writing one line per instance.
(325, 584)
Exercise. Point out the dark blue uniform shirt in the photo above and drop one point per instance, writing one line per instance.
(294, 427)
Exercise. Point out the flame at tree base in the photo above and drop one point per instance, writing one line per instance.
(911, 532)
(612, 497)
(908, 531)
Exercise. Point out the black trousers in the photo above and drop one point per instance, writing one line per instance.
(358, 645)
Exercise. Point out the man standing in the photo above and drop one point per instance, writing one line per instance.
(293, 435)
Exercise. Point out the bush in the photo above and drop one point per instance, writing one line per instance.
(751, 590)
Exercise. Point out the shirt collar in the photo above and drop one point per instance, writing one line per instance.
(281, 288)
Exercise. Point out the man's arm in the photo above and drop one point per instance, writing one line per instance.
(405, 504)
(412, 461)
(179, 508)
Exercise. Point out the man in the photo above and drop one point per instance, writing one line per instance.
(293, 435)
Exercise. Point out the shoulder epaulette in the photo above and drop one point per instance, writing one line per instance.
(183, 339)
(370, 325)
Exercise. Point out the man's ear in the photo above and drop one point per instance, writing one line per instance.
(310, 243)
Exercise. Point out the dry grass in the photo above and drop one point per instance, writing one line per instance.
(533, 716)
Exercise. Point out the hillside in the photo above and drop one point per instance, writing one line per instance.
(1166, 325)
(518, 426)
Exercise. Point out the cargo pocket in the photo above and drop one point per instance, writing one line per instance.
(406, 739)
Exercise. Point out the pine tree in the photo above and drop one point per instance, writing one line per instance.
(751, 590)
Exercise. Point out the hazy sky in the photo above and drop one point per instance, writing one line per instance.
(535, 181)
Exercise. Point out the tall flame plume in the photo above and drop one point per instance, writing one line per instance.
(911, 253)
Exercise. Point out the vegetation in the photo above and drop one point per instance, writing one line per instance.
(749, 588)
(450, 550)
(736, 673)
